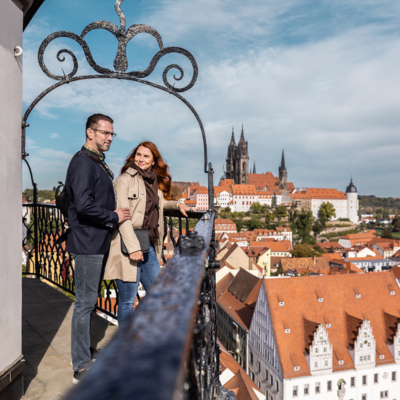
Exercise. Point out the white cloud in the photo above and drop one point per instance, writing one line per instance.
(54, 135)
(329, 102)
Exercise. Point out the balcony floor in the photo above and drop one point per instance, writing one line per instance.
(46, 339)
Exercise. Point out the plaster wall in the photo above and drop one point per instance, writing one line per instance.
(10, 182)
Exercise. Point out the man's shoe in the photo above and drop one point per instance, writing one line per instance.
(78, 375)
(94, 353)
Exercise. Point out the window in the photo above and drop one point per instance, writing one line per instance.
(266, 375)
(272, 381)
(394, 377)
(384, 394)
(353, 382)
(364, 397)
(259, 366)
(317, 388)
(329, 386)
(364, 379)
(252, 376)
(306, 389)
(251, 358)
(277, 386)
(295, 391)
(375, 378)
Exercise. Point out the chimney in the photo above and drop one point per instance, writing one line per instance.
(314, 260)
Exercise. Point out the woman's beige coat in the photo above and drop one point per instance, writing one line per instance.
(131, 193)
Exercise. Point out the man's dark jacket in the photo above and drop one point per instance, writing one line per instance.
(91, 214)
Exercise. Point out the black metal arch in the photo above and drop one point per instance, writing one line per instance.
(123, 36)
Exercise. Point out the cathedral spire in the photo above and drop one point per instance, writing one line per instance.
(242, 135)
(254, 168)
(233, 138)
(283, 160)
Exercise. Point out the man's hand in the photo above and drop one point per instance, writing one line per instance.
(136, 256)
(123, 214)
(183, 208)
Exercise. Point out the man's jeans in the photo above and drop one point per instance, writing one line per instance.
(88, 269)
(147, 272)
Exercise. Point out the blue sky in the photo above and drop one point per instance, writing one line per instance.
(319, 79)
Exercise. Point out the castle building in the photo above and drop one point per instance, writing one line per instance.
(237, 162)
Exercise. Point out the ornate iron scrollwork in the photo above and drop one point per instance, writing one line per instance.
(123, 36)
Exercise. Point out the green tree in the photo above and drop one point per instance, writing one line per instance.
(280, 211)
(319, 249)
(255, 223)
(227, 209)
(317, 228)
(387, 234)
(326, 212)
(239, 224)
(330, 250)
(304, 222)
(256, 208)
(274, 200)
(304, 250)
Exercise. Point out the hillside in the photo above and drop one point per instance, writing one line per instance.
(370, 204)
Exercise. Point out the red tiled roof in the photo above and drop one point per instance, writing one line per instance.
(244, 190)
(329, 194)
(340, 308)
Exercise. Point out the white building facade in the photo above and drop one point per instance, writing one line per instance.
(368, 378)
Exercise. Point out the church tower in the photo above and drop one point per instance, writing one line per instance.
(283, 181)
(230, 160)
(242, 161)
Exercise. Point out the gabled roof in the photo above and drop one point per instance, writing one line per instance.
(340, 308)
(240, 383)
(260, 181)
(240, 299)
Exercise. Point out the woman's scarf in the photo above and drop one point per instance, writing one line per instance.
(151, 214)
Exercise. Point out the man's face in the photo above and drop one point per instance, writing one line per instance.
(99, 140)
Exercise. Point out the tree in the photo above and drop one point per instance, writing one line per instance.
(239, 224)
(304, 250)
(280, 211)
(326, 212)
(330, 250)
(274, 200)
(227, 209)
(319, 249)
(387, 234)
(256, 208)
(396, 223)
(255, 223)
(304, 222)
(317, 228)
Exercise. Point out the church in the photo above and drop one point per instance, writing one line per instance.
(267, 185)
(237, 169)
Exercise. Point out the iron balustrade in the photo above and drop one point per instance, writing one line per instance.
(168, 350)
(49, 261)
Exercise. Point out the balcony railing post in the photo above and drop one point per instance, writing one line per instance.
(36, 232)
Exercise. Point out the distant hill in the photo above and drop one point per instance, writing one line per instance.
(369, 204)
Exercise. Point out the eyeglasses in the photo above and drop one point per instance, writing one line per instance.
(105, 132)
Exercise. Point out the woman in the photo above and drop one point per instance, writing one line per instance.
(144, 187)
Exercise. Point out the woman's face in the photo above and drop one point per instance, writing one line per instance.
(144, 158)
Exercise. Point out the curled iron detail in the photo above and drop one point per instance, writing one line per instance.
(123, 36)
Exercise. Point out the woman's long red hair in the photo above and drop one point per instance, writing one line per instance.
(160, 167)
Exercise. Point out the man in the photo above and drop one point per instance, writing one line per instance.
(91, 217)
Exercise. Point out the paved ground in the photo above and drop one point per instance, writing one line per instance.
(46, 340)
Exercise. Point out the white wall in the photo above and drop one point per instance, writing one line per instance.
(10, 183)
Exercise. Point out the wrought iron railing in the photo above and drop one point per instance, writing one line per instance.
(168, 350)
(46, 259)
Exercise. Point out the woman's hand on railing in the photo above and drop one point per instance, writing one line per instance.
(136, 256)
(183, 208)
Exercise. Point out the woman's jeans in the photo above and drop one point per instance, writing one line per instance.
(147, 272)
